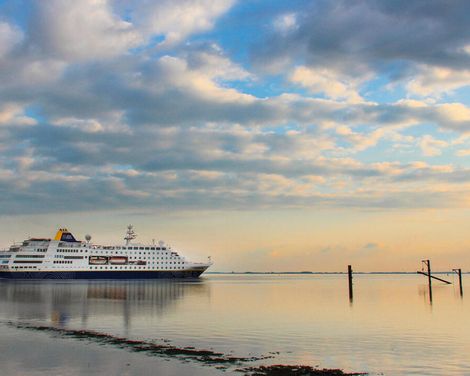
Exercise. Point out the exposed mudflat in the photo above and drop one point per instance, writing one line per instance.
(209, 357)
(151, 348)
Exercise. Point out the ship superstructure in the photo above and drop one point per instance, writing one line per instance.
(64, 257)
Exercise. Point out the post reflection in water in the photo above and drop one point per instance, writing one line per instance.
(62, 303)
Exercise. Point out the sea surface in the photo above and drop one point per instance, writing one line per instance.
(389, 328)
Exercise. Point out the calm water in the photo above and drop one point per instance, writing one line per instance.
(389, 328)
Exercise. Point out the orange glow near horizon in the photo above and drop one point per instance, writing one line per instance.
(287, 240)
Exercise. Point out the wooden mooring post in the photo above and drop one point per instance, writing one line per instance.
(459, 273)
(428, 264)
(350, 283)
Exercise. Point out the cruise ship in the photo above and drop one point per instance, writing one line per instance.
(64, 257)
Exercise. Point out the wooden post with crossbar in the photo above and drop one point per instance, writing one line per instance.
(459, 273)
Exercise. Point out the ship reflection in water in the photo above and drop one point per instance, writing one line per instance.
(106, 303)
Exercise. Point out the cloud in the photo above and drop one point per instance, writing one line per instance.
(10, 37)
(435, 81)
(370, 249)
(463, 152)
(82, 30)
(432, 147)
(174, 20)
(326, 82)
(12, 114)
(456, 112)
(421, 43)
(90, 30)
(201, 81)
(286, 22)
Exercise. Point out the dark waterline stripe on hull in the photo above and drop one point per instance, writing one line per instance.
(111, 274)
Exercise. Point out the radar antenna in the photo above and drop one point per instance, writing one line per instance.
(130, 234)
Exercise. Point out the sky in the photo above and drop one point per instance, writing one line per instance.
(271, 135)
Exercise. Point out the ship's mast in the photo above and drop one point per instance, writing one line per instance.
(130, 234)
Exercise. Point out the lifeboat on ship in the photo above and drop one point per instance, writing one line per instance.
(98, 260)
(118, 260)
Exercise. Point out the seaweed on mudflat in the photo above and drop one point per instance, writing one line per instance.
(293, 370)
(150, 348)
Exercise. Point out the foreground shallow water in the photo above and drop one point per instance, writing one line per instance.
(390, 328)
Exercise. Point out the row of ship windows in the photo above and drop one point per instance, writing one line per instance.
(106, 267)
(107, 252)
(145, 263)
(169, 262)
(86, 251)
(148, 258)
(158, 258)
(127, 267)
(133, 253)
(130, 258)
(80, 257)
(137, 248)
(112, 248)
(69, 262)
(132, 267)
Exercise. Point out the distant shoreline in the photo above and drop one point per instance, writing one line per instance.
(328, 273)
